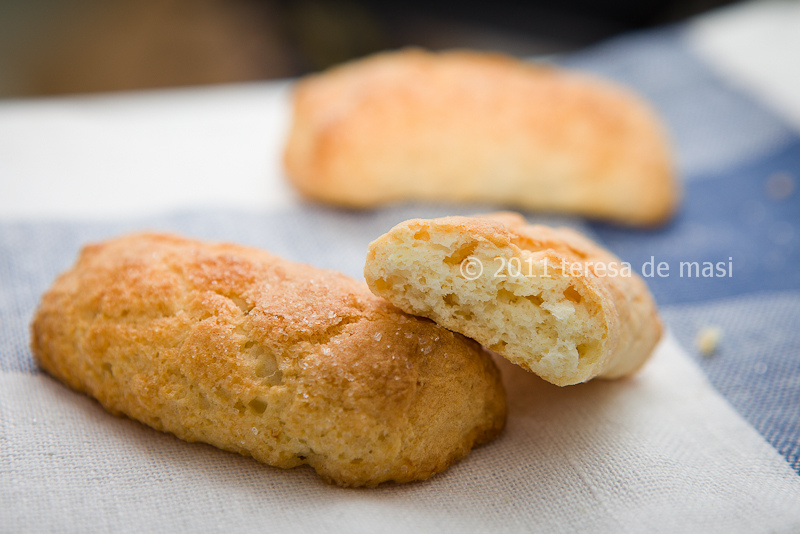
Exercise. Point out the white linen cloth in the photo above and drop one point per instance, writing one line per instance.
(661, 452)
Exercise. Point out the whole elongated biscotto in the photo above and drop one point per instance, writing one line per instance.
(472, 127)
(548, 299)
(280, 361)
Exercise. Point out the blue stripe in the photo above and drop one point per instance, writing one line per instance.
(757, 365)
(735, 215)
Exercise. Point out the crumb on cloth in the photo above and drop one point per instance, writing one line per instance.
(708, 340)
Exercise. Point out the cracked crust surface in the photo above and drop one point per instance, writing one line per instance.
(280, 361)
(544, 298)
(474, 127)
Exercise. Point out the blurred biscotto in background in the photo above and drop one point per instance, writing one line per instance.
(54, 47)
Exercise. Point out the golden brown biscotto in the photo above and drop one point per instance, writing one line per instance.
(254, 354)
(547, 299)
(466, 126)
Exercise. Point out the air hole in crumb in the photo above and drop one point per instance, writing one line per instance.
(572, 294)
(356, 461)
(241, 304)
(583, 348)
(382, 284)
(506, 295)
(239, 406)
(106, 367)
(459, 255)
(536, 300)
(497, 347)
(267, 366)
(275, 379)
(422, 235)
(266, 363)
(258, 405)
(450, 299)
(465, 314)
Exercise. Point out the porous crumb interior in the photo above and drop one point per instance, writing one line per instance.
(526, 308)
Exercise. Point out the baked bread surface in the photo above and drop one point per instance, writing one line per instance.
(473, 127)
(280, 361)
(543, 298)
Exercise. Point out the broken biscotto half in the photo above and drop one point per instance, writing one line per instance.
(549, 300)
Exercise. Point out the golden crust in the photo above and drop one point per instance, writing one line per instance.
(466, 126)
(257, 355)
(545, 299)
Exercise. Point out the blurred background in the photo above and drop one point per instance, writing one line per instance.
(52, 47)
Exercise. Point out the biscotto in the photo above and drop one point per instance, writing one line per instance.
(281, 361)
(549, 300)
(475, 127)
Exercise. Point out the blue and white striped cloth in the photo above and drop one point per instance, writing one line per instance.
(694, 443)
